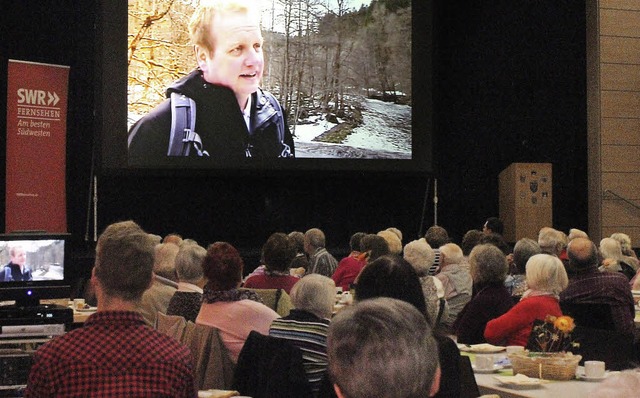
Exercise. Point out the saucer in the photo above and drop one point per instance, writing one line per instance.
(582, 376)
(495, 368)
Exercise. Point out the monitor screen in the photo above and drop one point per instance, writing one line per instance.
(32, 267)
(351, 78)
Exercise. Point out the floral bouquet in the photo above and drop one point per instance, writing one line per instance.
(547, 357)
(552, 335)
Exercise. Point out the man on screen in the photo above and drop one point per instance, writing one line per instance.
(235, 119)
(16, 269)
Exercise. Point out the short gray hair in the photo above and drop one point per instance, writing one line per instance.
(452, 254)
(522, 252)
(314, 293)
(420, 255)
(189, 262)
(488, 264)
(546, 273)
(315, 237)
(382, 347)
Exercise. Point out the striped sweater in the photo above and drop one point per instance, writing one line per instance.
(309, 333)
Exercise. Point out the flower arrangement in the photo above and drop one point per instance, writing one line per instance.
(554, 334)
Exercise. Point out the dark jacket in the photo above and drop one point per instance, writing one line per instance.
(220, 124)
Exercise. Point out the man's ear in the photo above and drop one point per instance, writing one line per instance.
(201, 56)
(435, 385)
(337, 390)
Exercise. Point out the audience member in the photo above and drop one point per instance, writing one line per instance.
(187, 299)
(174, 238)
(470, 240)
(490, 299)
(382, 348)
(590, 286)
(320, 260)
(516, 283)
(234, 312)
(546, 278)
(307, 324)
(576, 233)
(420, 255)
(436, 236)
(277, 254)
(300, 263)
(497, 240)
(630, 256)
(392, 276)
(115, 353)
(396, 231)
(551, 241)
(625, 384)
(373, 246)
(456, 279)
(613, 260)
(156, 298)
(350, 266)
(493, 225)
(395, 244)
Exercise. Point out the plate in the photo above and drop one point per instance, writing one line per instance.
(481, 348)
(519, 381)
(496, 368)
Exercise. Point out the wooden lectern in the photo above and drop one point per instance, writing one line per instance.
(526, 200)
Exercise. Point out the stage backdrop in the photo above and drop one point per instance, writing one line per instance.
(36, 147)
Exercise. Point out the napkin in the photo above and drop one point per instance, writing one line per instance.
(519, 379)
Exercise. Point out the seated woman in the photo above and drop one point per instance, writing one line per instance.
(490, 298)
(546, 278)
(307, 325)
(456, 279)
(235, 313)
(277, 253)
(392, 276)
(187, 299)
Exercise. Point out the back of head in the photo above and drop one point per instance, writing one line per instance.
(382, 348)
(583, 254)
(488, 264)
(395, 244)
(164, 260)
(522, 251)
(625, 242)
(420, 255)
(189, 263)
(452, 254)
(174, 238)
(374, 245)
(497, 240)
(124, 261)
(610, 248)
(314, 238)
(470, 239)
(551, 241)
(354, 241)
(314, 293)
(297, 238)
(576, 233)
(278, 251)
(546, 273)
(396, 231)
(222, 266)
(436, 236)
(495, 225)
(391, 276)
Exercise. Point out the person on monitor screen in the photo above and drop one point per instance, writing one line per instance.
(235, 118)
(115, 353)
(17, 268)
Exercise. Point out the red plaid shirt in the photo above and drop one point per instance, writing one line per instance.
(115, 354)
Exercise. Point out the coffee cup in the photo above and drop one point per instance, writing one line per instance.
(594, 369)
(484, 362)
(78, 303)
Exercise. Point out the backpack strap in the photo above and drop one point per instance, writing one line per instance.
(286, 150)
(183, 123)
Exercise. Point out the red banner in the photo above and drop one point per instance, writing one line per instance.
(36, 147)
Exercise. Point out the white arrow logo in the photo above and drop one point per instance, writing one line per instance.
(53, 99)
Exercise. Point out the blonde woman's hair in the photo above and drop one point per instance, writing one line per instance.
(546, 273)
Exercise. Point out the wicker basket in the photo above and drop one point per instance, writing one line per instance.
(545, 365)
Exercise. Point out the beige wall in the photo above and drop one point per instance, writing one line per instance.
(613, 95)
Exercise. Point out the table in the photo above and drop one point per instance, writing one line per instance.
(487, 384)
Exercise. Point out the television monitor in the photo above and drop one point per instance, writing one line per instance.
(32, 267)
(355, 79)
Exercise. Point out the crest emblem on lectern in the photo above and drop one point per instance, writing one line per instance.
(533, 186)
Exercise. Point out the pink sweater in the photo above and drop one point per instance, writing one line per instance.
(235, 320)
(514, 327)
